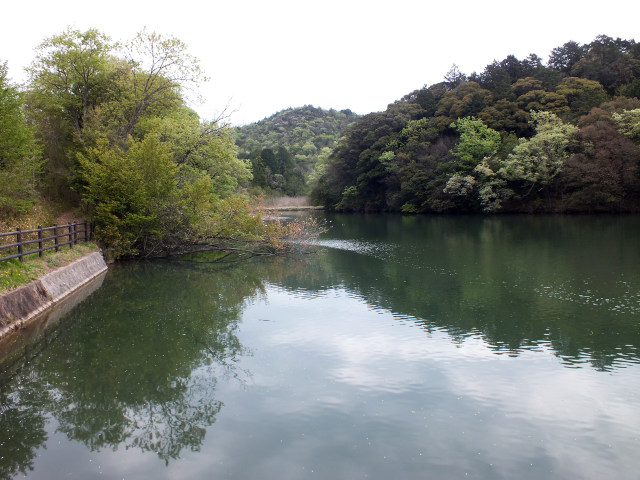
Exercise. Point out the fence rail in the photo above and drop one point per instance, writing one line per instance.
(72, 233)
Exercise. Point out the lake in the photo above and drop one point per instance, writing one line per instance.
(405, 347)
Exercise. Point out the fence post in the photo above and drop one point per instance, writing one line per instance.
(70, 235)
(39, 240)
(86, 231)
(55, 235)
(19, 242)
(75, 233)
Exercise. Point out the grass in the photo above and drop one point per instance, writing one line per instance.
(14, 273)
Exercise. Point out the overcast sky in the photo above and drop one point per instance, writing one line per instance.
(264, 56)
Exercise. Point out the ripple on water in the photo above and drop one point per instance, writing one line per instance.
(380, 250)
(626, 302)
(387, 252)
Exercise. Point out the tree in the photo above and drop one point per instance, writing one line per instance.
(269, 159)
(428, 97)
(477, 141)
(505, 116)
(454, 77)
(161, 72)
(73, 75)
(608, 62)
(632, 89)
(468, 99)
(603, 176)
(201, 148)
(525, 85)
(582, 94)
(563, 58)
(539, 100)
(259, 171)
(539, 160)
(134, 195)
(628, 123)
(19, 152)
(69, 73)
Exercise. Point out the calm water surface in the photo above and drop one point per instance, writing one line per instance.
(405, 347)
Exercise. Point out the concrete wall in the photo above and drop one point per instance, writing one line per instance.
(24, 304)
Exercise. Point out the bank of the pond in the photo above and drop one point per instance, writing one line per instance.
(292, 208)
(21, 306)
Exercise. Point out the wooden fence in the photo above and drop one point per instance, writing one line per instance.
(71, 234)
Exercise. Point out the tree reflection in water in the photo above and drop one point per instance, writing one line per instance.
(140, 364)
(138, 369)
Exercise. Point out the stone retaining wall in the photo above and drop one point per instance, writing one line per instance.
(24, 304)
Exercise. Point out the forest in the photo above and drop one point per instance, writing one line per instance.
(285, 147)
(104, 128)
(520, 136)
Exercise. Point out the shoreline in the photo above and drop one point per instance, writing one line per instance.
(24, 305)
(292, 208)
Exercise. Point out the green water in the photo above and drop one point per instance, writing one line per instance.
(404, 348)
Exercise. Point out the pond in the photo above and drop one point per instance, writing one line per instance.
(403, 347)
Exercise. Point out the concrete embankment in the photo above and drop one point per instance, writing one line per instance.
(19, 307)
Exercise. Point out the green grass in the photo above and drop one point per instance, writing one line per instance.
(14, 273)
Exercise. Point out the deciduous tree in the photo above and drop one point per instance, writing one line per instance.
(539, 160)
(19, 154)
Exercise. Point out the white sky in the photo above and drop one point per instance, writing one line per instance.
(264, 56)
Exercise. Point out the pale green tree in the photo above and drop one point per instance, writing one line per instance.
(133, 193)
(162, 72)
(628, 123)
(477, 142)
(539, 160)
(201, 148)
(70, 73)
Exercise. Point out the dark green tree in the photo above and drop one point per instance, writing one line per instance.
(564, 57)
(20, 162)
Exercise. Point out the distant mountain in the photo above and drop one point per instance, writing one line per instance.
(284, 147)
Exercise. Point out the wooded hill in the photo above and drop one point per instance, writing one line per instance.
(520, 136)
(284, 147)
(104, 127)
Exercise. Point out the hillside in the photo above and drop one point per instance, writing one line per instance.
(284, 147)
(520, 136)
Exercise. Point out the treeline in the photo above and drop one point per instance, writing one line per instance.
(521, 136)
(104, 126)
(284, 148)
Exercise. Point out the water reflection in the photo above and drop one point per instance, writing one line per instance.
(572, 283)
(141, 362)
(138, 371)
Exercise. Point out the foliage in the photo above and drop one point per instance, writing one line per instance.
(201, 148)
(160, 71)
(498, 140)
(628, 123)
(69, 73)
(19, 153)
(82, 92)
(118, 139)
(134, 194)
(477, 142)
(603, 176)
(582, 94)
(298, 137)
(538, 160)
(107, 125)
